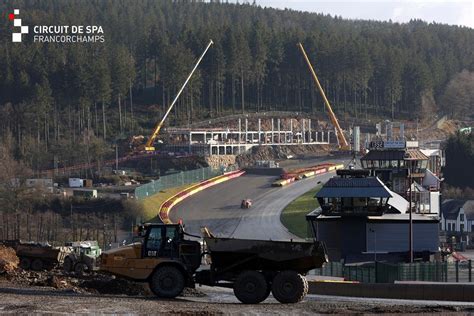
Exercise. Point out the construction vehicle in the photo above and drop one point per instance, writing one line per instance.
(149, 144)
(465, 130)
(253, 268)
(37, 256)
(246, 203)
(83, 257)
(343, 144)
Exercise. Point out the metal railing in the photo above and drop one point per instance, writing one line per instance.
(381, 272)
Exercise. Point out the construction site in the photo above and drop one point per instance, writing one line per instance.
(266, 212)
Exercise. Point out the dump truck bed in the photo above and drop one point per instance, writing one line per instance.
(243, 254)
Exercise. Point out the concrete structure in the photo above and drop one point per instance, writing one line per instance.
(410, 291)
(233, 141)
(457, 221)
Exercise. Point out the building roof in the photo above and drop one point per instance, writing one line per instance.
(354, 187)
(398, 218)
(384, 155)
(431, 152)
(395, 154)
(398, 202)
(450, 208)
(415, 154)
(468, 208)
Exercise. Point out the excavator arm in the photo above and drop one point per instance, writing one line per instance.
(343, 144)
(156, 131)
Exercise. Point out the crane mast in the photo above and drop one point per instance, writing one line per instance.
(149, 144)
(340, 136)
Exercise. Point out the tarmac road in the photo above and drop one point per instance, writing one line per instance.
(218, 207)
(262, 221)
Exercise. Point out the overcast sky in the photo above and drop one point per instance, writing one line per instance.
(453, 12)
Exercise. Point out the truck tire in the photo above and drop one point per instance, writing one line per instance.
(67, 265)
(250, 287)
(25, 263)
(80, 268)
(289, 287)
(167, 282)
(37, 265)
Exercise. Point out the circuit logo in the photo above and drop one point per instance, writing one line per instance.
(17, 37)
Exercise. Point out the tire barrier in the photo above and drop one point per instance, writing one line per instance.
(166, 206)
(283, 182)
(288, 178)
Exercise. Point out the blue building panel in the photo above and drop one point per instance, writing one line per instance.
(393, 237)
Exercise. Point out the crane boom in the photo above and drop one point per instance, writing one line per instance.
(151, 140)
(340, 136)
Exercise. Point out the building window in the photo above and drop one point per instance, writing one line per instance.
(461, 217)
(462, 228)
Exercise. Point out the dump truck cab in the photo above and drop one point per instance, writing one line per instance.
(83, 257)
(161, 256)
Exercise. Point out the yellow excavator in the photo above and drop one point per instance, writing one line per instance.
(343, 144)
(151, 140)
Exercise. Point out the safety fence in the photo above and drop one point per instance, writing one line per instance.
(175, 180)
(381, 272)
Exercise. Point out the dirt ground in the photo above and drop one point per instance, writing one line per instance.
(21, 299)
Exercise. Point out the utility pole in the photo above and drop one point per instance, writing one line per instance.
(372, 230)
(411, 219)
(72, 225)
(116, 156)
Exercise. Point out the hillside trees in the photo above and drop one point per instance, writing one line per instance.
(459, 160)
(53, 95)
(458, 97)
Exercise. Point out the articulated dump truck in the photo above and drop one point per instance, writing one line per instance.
(253, 268)
(37, 256)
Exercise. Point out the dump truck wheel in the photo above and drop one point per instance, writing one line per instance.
(25, 263)
(289, 287)
(67, 265)
(167, 282)
(37, 265)
(80, 268)
(250, 287)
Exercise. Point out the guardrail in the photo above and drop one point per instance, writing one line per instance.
(166, 206)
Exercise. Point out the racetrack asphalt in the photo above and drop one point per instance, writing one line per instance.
(218, 207)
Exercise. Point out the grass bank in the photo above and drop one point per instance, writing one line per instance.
(151, 205)
(293, 216)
